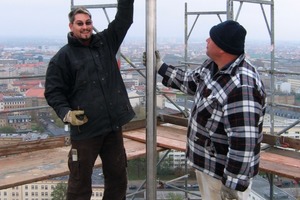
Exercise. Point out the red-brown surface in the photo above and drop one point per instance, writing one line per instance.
(44, 164)
(280, 165)
(271, 161)
(38, 165)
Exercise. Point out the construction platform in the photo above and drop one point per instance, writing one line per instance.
(27, 162)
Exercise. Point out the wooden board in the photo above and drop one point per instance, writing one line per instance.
(174, 137)
(29, 146)
(44, 164)
(280, 165)
(283, 141)
(35, 165)
(170, 137)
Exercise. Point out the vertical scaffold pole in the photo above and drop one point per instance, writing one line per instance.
(151, 99)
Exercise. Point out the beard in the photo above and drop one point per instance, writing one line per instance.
(85, 38)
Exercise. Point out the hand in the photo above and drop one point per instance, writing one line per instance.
(159, 62)
(228, 193)
(76, 117)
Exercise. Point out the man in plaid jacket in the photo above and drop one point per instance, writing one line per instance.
(225, 126)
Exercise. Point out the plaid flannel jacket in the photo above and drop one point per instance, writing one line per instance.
(225, 126)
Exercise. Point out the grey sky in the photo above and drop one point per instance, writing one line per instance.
(48, 18)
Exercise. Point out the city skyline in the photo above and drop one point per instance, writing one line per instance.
(27, 61)
(34, 18)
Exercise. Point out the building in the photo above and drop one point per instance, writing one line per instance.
(284, 87)
(23, 85)
(22, 123)
(295, 84)
(8, 61)
(176, 159)
(13, 102)
(285, 99)
(41, 191)
(135, 99)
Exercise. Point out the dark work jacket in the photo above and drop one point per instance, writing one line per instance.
(88, 78)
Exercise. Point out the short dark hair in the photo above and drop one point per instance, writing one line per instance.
(78, 10)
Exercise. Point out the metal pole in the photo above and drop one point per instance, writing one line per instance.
(151, 99)
(186, 60)
(272, 89)
(229, 10)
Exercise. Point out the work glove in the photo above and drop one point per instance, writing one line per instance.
(76, 117)
(159, 61)
(228, 193)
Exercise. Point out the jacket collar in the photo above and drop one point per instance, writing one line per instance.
(231, 68)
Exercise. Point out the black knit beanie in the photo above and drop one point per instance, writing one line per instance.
(229, 36)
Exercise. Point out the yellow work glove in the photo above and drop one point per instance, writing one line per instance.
(76, 117)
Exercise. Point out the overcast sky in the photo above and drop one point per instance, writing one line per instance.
(48, 18)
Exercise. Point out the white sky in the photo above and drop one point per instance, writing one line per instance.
(48, 18)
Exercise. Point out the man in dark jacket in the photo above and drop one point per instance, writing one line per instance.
(85, 88)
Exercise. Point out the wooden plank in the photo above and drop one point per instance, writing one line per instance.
(29, 146)
(36, 165)
(282, 141)
(167, 137)
(40, 165)
(133, 125)
(280, 165)
(268, 138)
(161, 141)
(174, 120)
(288, 162)
(16, 146)
(272, 162)
(173, 132)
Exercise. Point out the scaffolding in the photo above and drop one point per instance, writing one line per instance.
(151, 120)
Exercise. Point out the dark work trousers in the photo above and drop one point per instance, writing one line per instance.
(110, 148)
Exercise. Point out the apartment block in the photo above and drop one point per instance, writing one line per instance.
(41, 191)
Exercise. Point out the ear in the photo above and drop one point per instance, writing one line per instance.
(71, 26)
(221, 51)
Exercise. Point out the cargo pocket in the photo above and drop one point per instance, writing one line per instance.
(74, 169)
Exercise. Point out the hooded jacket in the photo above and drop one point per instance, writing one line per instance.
(88, 78)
